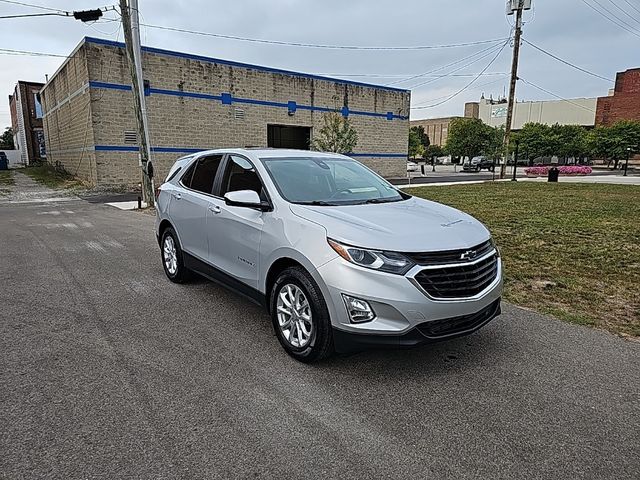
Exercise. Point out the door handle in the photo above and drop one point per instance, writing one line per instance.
(214, 208)
(177, 196)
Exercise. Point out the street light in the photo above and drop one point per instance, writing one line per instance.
(626, 163)
(515, 161)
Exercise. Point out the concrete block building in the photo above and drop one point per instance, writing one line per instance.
(26, 122)
(196, 103)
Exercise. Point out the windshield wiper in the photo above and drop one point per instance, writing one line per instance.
(320, 203)
(382, 200)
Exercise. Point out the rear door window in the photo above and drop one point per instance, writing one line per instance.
(204, 174)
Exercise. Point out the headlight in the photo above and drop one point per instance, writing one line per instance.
(390, 262)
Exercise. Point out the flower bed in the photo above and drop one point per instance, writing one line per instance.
(564, 170)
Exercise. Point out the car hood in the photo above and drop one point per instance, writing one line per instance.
(413, 225)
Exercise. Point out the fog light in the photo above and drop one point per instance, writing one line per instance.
(359, 310)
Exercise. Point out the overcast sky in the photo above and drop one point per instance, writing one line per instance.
(567, 28)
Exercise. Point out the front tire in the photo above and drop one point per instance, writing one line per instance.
(172, 259)
(300, 316)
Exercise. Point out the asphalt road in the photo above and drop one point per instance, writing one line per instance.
(110, 371)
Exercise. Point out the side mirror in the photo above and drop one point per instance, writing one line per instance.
(245, 198)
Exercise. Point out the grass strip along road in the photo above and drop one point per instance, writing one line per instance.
(569, 250)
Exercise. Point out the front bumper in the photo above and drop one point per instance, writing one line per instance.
(427, 332)
(400, 306)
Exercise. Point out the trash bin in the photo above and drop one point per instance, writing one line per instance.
(4, 162)
(554, 173)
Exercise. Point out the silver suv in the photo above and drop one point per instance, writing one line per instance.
(340, 258)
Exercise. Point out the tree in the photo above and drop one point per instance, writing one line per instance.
(569, 141)
(470, 137)
(533, 140)
(612, 142)
(433, 151)
(418, 141)
(336, 135)
(494, 148)
(467, 137)
(6, 139)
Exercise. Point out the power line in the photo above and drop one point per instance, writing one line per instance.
(632, 5)
(565, 61)
(24, 15)
(555, 95)
(624, 11)
(395, 75)
(612, 20)
(476, 88)
(421, 84)
(315, 45)
(467, 85)
(8, 51)
(423, 74)
(41, 7)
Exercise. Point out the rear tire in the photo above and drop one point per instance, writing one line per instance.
(172, 259)
(300, 316)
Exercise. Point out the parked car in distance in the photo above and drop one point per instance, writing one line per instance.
(340, 258)
(478, 163)
(412, 167)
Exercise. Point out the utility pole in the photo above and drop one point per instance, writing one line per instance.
(518, 6)
(131, 29)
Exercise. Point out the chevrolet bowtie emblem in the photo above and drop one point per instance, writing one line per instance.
(468, 255)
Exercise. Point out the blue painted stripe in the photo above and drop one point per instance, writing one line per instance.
(127, 148)
(111, 86)
(177, 149)
(115, 148)
(228, 99)
(179, 93)
(130, 148)
(160, 51)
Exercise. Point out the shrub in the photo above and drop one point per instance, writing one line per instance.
(564, 170)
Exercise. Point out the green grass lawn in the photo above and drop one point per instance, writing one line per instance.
(6, 177)
(6, 180)
(569, 250)
(52, 178)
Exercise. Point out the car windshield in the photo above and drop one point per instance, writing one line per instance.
(328, 181)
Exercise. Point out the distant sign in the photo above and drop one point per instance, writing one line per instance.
(498, 112)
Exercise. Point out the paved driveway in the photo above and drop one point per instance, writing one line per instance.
(107, 370)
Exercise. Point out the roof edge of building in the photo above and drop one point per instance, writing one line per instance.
(161, 51)
(62, 65)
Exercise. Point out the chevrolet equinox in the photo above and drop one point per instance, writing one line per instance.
(340, 258)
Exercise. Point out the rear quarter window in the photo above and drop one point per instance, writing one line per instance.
(177, 167)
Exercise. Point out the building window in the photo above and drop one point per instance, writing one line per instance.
(36, 102)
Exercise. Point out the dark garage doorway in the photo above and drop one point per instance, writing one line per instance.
(285, 136)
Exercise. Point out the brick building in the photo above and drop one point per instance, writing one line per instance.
(196, 103)
(623, 103)
(436, 128)
(26, 122)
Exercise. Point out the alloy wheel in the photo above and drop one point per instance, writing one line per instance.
(170, 255)
(294, 315)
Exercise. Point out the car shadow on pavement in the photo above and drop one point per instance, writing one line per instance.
(435, 357)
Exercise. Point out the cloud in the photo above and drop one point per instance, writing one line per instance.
(568, 28)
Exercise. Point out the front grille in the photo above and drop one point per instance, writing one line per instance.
(457, 325)
(459, 281)
(449, 256)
